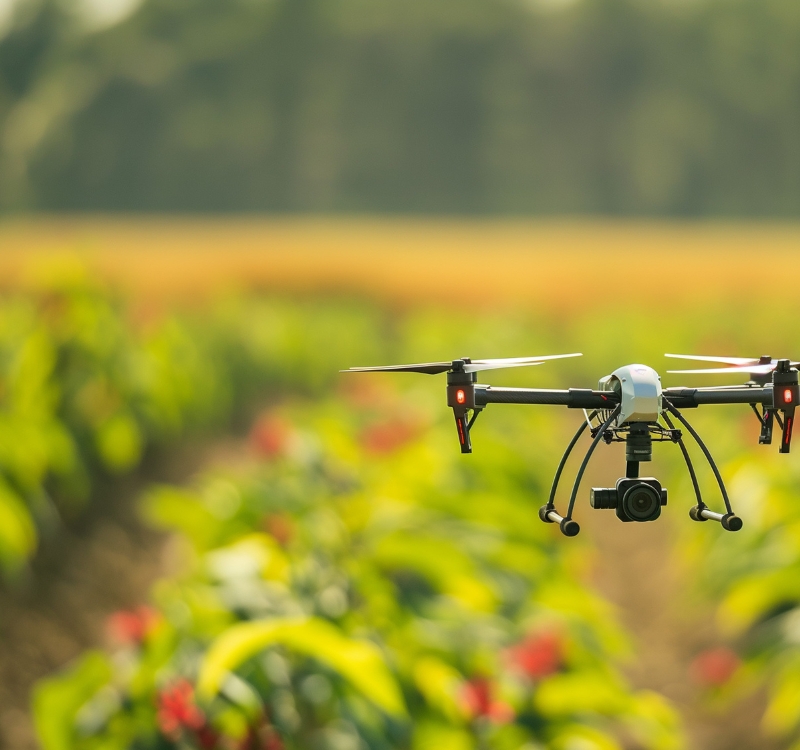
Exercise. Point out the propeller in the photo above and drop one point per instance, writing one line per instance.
(786, 392)
(761, 366)
(470, 365)
(461, 383)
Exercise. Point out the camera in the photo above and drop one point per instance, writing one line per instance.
(634, 499)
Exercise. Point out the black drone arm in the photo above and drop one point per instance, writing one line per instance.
(689, 398)
(574, 398)
(464, 394)
(584, 398)
(779, 398)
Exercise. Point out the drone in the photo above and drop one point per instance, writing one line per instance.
(628, 406)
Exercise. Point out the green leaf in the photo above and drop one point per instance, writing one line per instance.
(119, 442)
(434, 736)
(439, 683)
(360, 662)
(783, 709)
(182, 510)
(574, 693)
(755, 596)
(17, 532)
(442, 562)
(655, 723)
(57, 700)
(583, 737)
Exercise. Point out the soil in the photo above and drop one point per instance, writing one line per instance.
(636, 571)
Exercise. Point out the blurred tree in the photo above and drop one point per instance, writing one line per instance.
(458, 106)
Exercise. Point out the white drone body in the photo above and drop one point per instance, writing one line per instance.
(639, 389)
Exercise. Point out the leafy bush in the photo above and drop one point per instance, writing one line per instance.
(754, 579)
(84, 395)
(360, 588)
(88, 386)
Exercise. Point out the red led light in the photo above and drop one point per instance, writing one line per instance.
(461, 397)
(787, 396)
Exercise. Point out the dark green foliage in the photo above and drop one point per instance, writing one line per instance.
(475, 106)
(87, 389)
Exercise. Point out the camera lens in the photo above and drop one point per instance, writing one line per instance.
(642, 502)
(600, 498)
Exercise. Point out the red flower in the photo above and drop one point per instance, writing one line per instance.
(132, 626)
(714, 666)
(477, 698)
(177, 710)
(270, 436)
(538, 655)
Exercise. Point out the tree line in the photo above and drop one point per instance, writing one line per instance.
(524, 107)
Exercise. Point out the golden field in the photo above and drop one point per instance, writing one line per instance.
(486, 263)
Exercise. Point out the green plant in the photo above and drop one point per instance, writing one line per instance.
(754, 579)
(90, 385)
(359, 591)
(83, 395)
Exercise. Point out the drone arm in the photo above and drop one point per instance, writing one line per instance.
(580, 398)
(781, 398)
(574, 398)
(689, 398)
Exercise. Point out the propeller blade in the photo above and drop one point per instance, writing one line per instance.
(525, 359)
(479, 367)
(428, 368)
(752, 369)
(725, 360)
(476, 365)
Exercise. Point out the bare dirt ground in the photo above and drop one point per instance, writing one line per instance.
(636, 571)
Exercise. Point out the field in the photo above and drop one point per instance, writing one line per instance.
(567, 265)
(292, 301)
